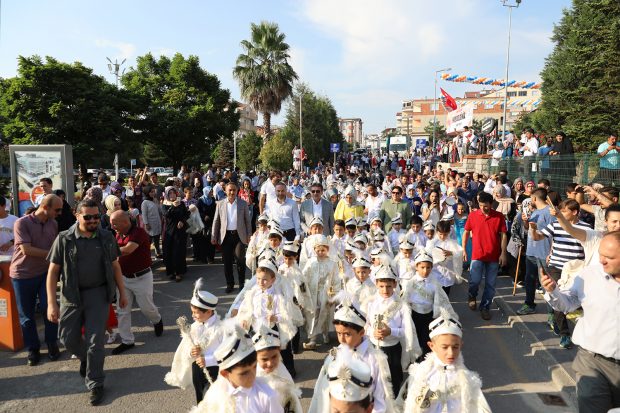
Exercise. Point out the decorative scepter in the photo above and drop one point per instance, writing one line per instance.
(185, 329)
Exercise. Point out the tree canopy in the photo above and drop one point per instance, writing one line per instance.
(248, 151)
(183, 110)
(265, 77)
(581, 77)
(319, 124)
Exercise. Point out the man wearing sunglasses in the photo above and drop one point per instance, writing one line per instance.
(87, 257)
(317, 206)
(34, 235)
(393, 207)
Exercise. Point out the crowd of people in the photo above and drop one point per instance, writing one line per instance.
(362, 252)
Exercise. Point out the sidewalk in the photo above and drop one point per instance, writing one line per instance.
(543, 342)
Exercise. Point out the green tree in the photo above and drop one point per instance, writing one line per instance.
(223, 153)
(276, 153)
(440, 131)
(581, 79)
(265, 77)
(319, 124)
(248, 151)
(53, 102)
(184, 110)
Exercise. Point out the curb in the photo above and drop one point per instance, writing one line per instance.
(559, 375)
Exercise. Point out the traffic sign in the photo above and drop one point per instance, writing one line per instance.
(132, 162)
(334, 147)
(421, 144)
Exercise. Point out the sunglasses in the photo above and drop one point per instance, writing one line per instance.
(395, 192)
(316, 192)
(91, 217)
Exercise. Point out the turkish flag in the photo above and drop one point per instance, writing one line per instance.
(448, 101)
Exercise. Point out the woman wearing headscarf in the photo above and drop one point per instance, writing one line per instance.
(503, 203)
(349, 207)
(152, 216)
(112, 203)
(66, 217)
(175, 234)
(206, 209)
(518, 188)
(562, 159)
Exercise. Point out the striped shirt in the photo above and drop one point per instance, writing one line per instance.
(565, 247)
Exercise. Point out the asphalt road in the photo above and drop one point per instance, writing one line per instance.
(514, 379)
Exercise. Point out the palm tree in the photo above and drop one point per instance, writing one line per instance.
(265, 77)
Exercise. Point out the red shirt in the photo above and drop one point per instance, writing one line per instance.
(485, 235)
(140, 258)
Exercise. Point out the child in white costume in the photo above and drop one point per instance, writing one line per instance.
(194, 357)
(389, 326)
(237, 389)
(350, 384)
(350, 227)
(447, 253)
(423, 293)
(307, 247)
(322, 277)
(257, 242)
(349, 322)
(338, 240)
(267, 346)
(378, 258)
(380, 242)
(395, 232)
(417, 234)
(267, 303)
(404, 260)
(442, 383)
(360, 288)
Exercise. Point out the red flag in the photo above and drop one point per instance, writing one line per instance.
(448, 101)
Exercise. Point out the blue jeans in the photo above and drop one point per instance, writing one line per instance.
(26, 293)
(477, 270)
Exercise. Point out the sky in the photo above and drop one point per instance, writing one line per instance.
(365, 56)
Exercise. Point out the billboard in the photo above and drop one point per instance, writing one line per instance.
(31, 163)
(459, 118)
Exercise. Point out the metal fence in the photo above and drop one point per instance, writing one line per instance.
(560, 170)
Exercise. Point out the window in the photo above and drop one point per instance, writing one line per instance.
(489, 105)
(523, 93)
(434, 106)
(512, 94)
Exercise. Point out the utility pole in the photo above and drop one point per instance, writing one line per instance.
(507, 3)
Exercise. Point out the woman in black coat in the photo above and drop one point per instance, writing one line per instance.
(562, 160)
(175, 234)
(206, 209)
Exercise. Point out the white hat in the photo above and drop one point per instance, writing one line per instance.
(446, 323)
(361, 222)
(263, 218)
(351, 222)
(268, 263)
(374, 217)
(275, 231)
(405, 242)
(350, 379)
(423, 256)
(361, 260)
(273, 224)
(233, 349)
(266, 338)
(379, 235)
(291, 246)
(266, 253)
(385, 272)
(320, 239)
(361, 238)
(397, 220)
(376, 251)
(428, 225)
(316, 221)
(450, 201)
(349, 313)
(350, 246)
(201, 298)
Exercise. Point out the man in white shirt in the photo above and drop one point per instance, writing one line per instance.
(7, 222)
(531, 144)
(46, 186)
(268, 190)
(597, 291)
(285, 212)
(373, 201)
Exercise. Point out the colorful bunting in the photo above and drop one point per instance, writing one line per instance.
(488, 81)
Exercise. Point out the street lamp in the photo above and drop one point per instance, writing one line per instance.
(114, 68)
(511, 5)
(435, 103)
(234, 150)
(301, 142)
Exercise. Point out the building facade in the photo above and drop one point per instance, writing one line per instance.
(351, 129)
(247, 119)
(416, 114)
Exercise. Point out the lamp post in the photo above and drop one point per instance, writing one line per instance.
(115, 67)
(235, 150)
(510, 5)
(301, 141)
(435, 103)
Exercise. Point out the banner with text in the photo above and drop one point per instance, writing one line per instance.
(459, 118)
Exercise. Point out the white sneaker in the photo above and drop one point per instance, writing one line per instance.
(112, 337)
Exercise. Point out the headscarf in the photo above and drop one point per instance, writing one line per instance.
(95, 193)
(563, 148)
(504, 203)
(167, 191)
(109, 203)
(208, 200)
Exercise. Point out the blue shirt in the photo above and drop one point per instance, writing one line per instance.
(609, 161)
(540, 249)
(544, 151)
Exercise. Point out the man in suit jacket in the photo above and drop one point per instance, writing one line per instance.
(232, 229)
(317, 206)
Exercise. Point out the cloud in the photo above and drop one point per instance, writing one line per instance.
(124, 50)
(164, 51)
(297, 60)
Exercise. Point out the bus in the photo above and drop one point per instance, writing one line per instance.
(400, 144)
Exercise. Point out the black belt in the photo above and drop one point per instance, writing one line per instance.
(139, 273)
(232, 232)
(610, 359)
